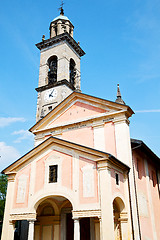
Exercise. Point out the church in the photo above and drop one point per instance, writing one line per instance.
(85, 178)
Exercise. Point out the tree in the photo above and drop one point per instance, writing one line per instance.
(3, 190)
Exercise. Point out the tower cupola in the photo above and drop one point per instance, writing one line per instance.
(61, 24)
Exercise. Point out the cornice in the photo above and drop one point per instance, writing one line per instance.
(62, 37)
(23, 216)
(95, 121)
(62, 82)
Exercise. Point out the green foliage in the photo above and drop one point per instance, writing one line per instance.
(3, 190)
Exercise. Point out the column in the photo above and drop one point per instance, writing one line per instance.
(31, 230)
(107, 224)
(76, 229)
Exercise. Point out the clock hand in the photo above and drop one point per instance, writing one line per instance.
(50, 95)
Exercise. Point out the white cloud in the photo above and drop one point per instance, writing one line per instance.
(8, 155)
(9, 120)
(148, 111)
(23, 135)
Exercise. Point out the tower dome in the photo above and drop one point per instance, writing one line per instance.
(61, 24)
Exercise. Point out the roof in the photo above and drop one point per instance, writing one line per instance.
(61, 17)
(135, 144)
(100, 155)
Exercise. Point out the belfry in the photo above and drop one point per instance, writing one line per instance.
(85, 179)
(59, 73)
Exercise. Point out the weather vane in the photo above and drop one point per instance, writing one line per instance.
(61, 8)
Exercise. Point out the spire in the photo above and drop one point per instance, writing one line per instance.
(119, 97)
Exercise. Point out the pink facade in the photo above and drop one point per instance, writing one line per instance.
(77, 111)
(24, 172)
(147, 194)
(83, 136)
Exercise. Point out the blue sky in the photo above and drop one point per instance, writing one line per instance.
(122, 44)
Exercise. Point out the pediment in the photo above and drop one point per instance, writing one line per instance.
(48, 148)
(52, 144)
(76, 108)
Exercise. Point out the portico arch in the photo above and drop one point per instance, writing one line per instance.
(41, 196)
(54, 219)
(120, 219)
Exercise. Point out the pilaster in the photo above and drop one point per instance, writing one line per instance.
(107, 225)
(8, 226)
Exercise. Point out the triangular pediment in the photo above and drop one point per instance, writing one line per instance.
(53, 144)
(50, 145)
(76, 108)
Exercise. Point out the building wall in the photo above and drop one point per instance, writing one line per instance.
(70, 166)
(147, 195)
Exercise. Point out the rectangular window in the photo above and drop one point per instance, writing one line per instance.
(117, 178)
(53, 173)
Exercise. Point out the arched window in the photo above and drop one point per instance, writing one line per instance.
(52, 73)
(72, 71)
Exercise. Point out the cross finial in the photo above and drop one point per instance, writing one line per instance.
(61, 8)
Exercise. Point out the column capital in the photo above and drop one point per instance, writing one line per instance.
(12, 222)
(11, 177)
(76, 219)
(121, 119)
(31, 221)
(103, 165)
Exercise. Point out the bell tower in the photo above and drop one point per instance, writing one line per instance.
(59, 72)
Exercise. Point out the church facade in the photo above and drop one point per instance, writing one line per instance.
(85, 179)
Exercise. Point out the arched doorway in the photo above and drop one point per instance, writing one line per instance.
(54, 219)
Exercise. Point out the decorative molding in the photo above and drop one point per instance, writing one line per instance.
(23, 216)
(86, 213)
(122, 119)
(103, 165)
(11, 177)
(62, 37)
(123, 217)
(98, 124)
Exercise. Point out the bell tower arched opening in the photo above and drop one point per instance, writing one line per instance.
(72, 71)
(52, 73)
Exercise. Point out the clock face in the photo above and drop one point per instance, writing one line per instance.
(50, 95)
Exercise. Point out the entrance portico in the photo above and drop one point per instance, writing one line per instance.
(55, 221)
